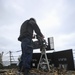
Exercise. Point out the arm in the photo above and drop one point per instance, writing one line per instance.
(36, 28)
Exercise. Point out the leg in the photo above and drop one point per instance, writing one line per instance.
(26, 54)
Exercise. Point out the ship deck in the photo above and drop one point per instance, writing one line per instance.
(36, 72)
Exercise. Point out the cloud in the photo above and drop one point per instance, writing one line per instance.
(10, 12)
(65, 41)
(55, 18)
(9, 35)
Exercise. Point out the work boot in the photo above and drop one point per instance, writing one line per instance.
(26, 72)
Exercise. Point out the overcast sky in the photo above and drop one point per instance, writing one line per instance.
(56, 18)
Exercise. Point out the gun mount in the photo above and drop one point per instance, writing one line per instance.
(40, 43)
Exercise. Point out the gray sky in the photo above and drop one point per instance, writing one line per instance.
(56, 18)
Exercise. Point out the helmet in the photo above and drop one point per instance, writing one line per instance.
(32, 19)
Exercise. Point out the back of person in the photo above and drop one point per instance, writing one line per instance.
(26, 30)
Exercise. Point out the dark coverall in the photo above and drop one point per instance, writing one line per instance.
(26, 33)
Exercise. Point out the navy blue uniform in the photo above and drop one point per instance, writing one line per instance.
(26, 33)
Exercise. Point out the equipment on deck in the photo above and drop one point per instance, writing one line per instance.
(42, 44)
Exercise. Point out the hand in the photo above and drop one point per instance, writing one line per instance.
(33, 36)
